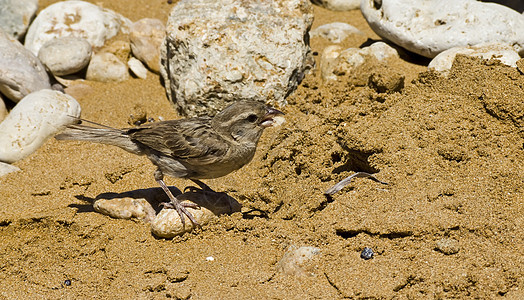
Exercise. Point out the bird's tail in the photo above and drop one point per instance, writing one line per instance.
(107, 135)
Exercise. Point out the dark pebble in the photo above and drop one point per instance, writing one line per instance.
(367, 253)
(67, 282)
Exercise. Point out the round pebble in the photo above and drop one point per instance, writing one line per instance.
(367, 253)
(106, 67)
(67, 282)
(65, 55)
(37, 117)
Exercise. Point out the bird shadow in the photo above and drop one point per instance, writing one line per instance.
(217, 202)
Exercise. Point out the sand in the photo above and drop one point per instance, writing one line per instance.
(448, 225)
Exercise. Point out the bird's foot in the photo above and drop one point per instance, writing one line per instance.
(180, 208)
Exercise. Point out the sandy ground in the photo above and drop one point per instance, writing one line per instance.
(450, 224)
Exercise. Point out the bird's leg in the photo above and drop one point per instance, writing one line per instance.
(174, 203)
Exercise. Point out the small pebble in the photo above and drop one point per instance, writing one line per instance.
(447, 246)
(367, 253)
(137, 68)
(65, 55)
(210, 258)
(295, 260)
(334, 32)
(106, 67)
(67, 282)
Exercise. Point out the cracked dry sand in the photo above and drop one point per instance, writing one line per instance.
(450, 149)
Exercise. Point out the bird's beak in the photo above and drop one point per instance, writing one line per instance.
(272, 116)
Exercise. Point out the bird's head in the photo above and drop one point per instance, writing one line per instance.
(244, 121)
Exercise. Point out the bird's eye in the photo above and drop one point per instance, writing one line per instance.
(252, 118)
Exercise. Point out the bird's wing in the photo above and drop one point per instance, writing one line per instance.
(184, 139)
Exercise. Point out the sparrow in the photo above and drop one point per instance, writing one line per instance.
(193, 148)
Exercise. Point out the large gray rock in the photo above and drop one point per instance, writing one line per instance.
(217, 52)
(15, 16)
(65, 55)
(74, 18)
(432, 26)
(21, 73)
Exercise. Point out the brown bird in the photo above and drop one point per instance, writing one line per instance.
(193, 148)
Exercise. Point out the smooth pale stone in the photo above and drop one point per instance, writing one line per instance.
(7, 168)
(137, 68)
(338, 5)
(126, 208)
(146, 36)
(106, 67)
(294, 261)
(502, 52)
(3, 110)
(74, 18)
(349, 59)
(168, 224)
(327, 58)
(220, 51)
(37, 117)
(334, 32)
(15, 16)
(65, 55)
(430, 27)
(21, 73)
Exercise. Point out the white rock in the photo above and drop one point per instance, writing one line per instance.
(65, 55)
(37, 117)
(137, 68)
(146, 36)
(338, 5)
(217, 52)
(334, 32)
(106, 67)
(294, 262)
(3, 110)
(348, 60)
(7, 168)
(327, 58)
(502, 52)
(21, 72)
(15, 16)
(74, 18)
(430, 27)
(167, 223)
